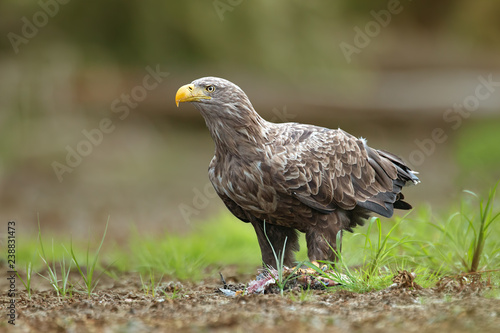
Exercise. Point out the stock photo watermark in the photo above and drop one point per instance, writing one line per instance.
(281, 115)
(223, 6)
(95, 136)
(454, 116)
(363, 37)
(31, 26)
(11, 272)
(201, 200)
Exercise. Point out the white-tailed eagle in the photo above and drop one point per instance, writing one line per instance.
(293, 177)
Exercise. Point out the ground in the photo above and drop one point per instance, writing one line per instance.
(120, 305)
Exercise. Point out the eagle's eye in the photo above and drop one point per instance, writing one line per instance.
(210, 89)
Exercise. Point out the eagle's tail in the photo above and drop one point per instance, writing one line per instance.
(384, 203)
(406, 176)
(404, 172)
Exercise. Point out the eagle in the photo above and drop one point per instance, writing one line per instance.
(285, 178)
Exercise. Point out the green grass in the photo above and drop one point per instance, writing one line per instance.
(301, 296)
(27, 280)
(278, 273)
(465, 235)
(174, 294)
(465, 239)
(62, 285)
(455, 243)
(369, 260)
(54, 266)
(90, 265)
(217, 243)
(150, 285)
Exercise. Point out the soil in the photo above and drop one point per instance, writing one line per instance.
(454, 305)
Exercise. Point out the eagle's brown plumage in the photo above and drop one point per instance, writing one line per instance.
(293, 176)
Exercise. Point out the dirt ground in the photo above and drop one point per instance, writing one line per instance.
(122, 306)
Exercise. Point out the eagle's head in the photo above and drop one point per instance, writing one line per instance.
(210, 91)
(228, 113)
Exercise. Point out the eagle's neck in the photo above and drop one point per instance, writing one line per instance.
(236, 129)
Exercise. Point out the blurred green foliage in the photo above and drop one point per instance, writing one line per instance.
(477, 153)
(257, 33)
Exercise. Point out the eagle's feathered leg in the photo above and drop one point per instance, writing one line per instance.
(322, 244)
(322, 237)
(277, 235)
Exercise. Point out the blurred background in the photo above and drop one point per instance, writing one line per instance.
(89, 127)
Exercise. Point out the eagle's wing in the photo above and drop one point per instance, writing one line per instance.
(330, 169)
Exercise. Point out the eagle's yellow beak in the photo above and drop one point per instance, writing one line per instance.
(190, 93)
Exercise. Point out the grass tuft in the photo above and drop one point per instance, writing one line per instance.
(88, 277)
(463, 243)
(280, 278)
(65, 288)
(27, 283)
(152, 285)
